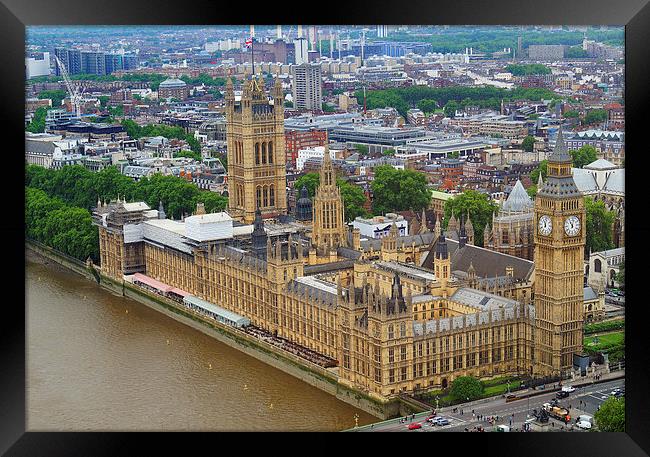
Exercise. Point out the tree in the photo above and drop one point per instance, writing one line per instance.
(453, 155)
(466, 388)
(37, 125)
(103, 100)
(528, 143)
(599, 226)
(571, 114)
(399, 190)
(541, 168)
(389, 152)
(450, 108)
(353, 200)
(595, 116)
(584, 156)
(576, 52)
(310, 181)
(56, 96)
(480, 209)
(620, 276)
(189, 154)
(532, 191)
(428, 106)
(362, 148)
(288, 104)
(194, 144)
(611, 415)
(352, 196)
(532, 69)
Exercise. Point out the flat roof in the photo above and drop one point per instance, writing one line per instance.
(152, 282)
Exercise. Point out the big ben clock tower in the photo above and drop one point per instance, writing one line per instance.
(559, 252)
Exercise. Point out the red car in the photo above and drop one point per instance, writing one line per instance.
(415, 426)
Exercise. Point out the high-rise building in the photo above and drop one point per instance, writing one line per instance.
(560, 233)
(382, 31)
(301, 51)
(37, 65)
(93, 63)
(256, 157)
(307, 87)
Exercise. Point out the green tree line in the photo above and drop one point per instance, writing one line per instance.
(530, 69)
(403, 99)
(77, 186)
(61, 226)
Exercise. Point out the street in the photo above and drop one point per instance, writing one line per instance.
(518, 410)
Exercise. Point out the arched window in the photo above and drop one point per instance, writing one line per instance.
(266, 196)
(597, 265)
(259, 196)
(272, 195)
(257, 153)
(270, 151)
(402, 330)
(391, 332)
(263, 152)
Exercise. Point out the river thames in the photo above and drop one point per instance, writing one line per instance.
(98, 361)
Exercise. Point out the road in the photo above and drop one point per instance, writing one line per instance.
(519, 410)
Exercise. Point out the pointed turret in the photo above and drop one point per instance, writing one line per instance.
(437, 230)
(540, 182)
(423, 223)
(161, 211)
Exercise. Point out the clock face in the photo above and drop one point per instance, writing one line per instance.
(572, 225)
(545, 225)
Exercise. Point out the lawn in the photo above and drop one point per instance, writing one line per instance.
(606, 340)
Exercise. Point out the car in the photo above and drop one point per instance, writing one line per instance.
(562, 394)
(431, 418)
(615, 391)
(568, 389)
(441, 421)
(585, 425)
(415, 426)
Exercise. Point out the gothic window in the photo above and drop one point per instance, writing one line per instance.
(270, 152)
(391, 355)
(257, 153)
(272, 195)
(403, 353)
(266, 196)
(402, 330)
(263, 152)
(391, 332)
(259, 196)
(597, 265)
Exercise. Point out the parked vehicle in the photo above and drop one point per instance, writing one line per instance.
(584, 425)
(562, 394)
(502, 428)
(585, 418)
(431, 418)
(568, 389)
(415, 426)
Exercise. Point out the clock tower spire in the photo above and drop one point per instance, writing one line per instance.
(559, 253)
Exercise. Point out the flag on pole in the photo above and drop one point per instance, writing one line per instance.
(249, 42)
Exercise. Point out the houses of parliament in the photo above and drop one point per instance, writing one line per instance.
(397, 314)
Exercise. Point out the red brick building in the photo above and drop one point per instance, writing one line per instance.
(296, 140)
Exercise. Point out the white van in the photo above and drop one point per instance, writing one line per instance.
(503, 428)
(585, 418)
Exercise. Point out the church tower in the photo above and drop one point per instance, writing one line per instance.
(560, 235)
(328, 213)
(256, 157)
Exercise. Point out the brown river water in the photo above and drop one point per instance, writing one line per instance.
(98, 361)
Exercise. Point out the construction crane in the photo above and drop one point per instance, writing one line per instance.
(73, 90)
(287, 37)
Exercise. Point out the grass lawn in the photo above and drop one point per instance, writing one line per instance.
(606, 340)
(500, 389)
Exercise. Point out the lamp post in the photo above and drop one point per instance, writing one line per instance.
(437, 398)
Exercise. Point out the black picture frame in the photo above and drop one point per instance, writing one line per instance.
(633, 14)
